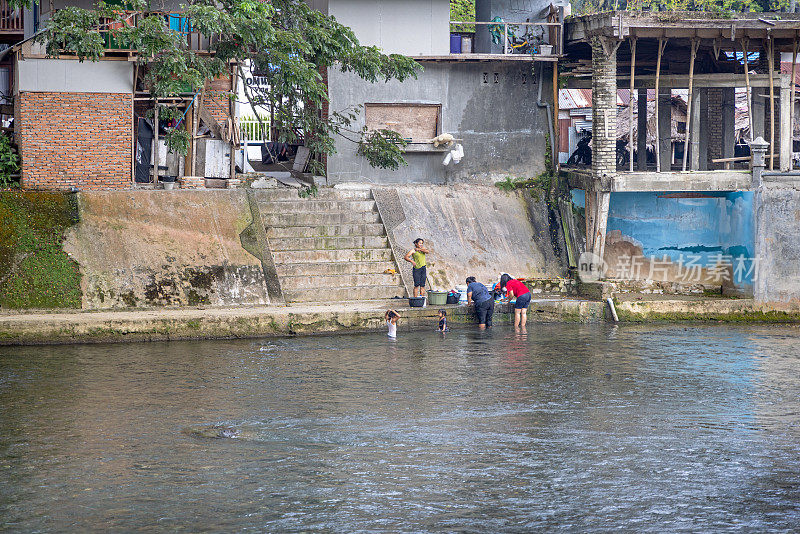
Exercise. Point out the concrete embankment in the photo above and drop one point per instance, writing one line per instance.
(256, 321)
(159, 324)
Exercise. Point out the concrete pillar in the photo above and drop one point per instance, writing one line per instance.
(758, 150)
(604, 114)
(665, 128)
(693, 129)
(785, 124)
(641, 128)
(483, 39)
(728, 122)
(703, 130)
(760, 95)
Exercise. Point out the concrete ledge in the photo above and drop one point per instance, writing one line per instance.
(725, 310)
(264, 321)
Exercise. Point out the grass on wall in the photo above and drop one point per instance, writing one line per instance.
(35, 272)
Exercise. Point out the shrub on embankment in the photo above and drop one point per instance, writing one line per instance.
(35, 272)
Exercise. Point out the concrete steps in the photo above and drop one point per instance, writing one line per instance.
(321, 256)
(323, 282)
(329, 248)
(278, 195)
(331, 230)
(343, 294)
(329, 243)
(331, 268)
(288, 218)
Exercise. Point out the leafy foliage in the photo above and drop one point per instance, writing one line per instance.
(462, 10)
(383, 148)
(307, 192)
(284, 41)
(715, 7)
(9, 162)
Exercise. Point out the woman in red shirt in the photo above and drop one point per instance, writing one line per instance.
(517, 289)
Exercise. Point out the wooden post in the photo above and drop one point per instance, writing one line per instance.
(556, 130)
(692, 56)
(232, 121)
(662, 44)
(747, 89)
(791, 104)
(195, 125)
(189, 125)
(630, 106)
(133, 125)
(155, 144)
(771, 59)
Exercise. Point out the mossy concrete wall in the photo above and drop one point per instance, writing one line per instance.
(35, 272)
(159, 248)
(476, 231)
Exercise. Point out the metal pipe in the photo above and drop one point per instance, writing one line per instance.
(546, 105)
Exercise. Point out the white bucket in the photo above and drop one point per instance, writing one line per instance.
(463, 291)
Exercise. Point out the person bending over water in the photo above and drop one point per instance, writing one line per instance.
(484, 303)
(420, 270)
(515, 288)
(391, 317)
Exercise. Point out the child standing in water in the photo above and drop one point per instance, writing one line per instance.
(442, 320)
(391, 322)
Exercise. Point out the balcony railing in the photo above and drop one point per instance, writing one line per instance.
(174, 20)
(11, 20)
(522, 38)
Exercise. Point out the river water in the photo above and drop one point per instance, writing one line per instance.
(567, 428)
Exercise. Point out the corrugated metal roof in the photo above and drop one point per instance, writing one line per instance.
(582, 98)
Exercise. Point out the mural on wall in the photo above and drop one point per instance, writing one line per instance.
(702, 238)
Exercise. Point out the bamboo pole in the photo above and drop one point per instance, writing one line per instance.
(771, 59)
(747, 89)
(662, 44)
(794, 87)
(689, 106)
(630, 107)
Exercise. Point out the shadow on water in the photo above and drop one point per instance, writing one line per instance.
(566, 427)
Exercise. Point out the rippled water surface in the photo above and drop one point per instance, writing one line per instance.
(569, 428)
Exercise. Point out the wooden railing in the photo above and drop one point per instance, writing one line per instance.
(174, 20)
(11, 20)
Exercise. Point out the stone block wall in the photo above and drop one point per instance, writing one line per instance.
(80, 140)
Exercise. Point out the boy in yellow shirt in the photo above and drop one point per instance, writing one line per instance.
(416, 256)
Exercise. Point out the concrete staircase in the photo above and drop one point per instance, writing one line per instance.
(329, 248)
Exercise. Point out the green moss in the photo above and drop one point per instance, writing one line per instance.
(35, 272)
(739, 316)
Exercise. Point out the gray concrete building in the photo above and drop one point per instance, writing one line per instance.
(492, 91)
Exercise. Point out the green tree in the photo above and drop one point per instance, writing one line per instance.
(284, 41)
(462, 10)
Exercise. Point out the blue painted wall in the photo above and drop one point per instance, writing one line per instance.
(665, 225)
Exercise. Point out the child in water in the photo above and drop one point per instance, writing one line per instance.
(391, 322)
(442, 320)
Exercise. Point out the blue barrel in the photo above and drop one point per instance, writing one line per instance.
(455, 43)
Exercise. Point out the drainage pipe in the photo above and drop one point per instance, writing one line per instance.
(550, 118)
(613, 309)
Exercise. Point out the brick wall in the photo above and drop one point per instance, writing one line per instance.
(604, 114)
(78, 140)
(217, 103)
(714, 122)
